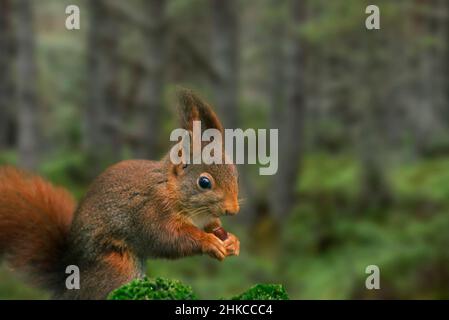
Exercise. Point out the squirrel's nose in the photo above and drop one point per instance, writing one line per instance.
(231, 211)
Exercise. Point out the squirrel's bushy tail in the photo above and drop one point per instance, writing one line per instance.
(35, 218)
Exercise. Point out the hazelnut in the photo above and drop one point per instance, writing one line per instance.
(220, 233)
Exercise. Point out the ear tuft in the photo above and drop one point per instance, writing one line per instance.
(193, 108)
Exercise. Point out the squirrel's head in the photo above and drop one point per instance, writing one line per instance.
(203, 190)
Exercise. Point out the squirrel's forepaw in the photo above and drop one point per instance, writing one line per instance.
(214, 247)
(232, 244)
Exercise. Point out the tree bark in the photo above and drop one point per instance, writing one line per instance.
(371, 137)
(6, 74)
(276, 66)
(291, 126)
(103, 116)
(225, 51)
(151, 103)
(261, 201)
(28, 107)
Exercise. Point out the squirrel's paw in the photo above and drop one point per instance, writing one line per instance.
(232, 244)
(214, 247)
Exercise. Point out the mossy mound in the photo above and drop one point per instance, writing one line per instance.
(263, 292)
(166, 289)
(153, 289)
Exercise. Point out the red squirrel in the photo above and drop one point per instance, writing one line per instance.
(135, 210)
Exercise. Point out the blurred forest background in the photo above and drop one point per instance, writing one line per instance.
(363, 117)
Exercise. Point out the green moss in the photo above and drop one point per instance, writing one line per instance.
(166, 289)
(263, 292)
(153, 289)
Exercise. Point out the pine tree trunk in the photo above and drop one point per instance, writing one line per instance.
(150, 107)
(6, 74)
(371, 137)
(291, 124)
(103, 118)
(225, 51)
(28, 107)
(276, 66)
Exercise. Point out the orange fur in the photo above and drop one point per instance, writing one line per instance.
(121, 262)
(35, 218)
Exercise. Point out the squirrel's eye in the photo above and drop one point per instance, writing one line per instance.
(204, 182)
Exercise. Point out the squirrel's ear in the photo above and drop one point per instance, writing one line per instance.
(192, 108)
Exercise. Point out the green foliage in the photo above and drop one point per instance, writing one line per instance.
(263, 292)
(68, 169)
(337, 174)
(11, 287)
(329, 260)
(166, 289)
(424, 180)
(8, 158)
(153, 289)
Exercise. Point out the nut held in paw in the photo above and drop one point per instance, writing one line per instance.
(220, 233)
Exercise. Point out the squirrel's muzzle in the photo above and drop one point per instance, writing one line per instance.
(232, 210)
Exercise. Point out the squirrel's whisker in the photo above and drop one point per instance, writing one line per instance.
(197, 212)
